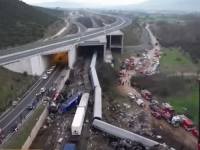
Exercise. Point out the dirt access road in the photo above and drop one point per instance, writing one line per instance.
(179, 134)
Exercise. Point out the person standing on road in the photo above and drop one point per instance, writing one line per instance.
(21, 117)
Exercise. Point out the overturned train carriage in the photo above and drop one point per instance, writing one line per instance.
(94, 78)
(93, 62)
(121, 133)
(97, 111)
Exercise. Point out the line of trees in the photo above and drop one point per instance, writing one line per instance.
(186, 35)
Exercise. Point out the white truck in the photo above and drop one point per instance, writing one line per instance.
(140, 102)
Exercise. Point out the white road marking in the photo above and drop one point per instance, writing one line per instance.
(33, 98)
(62, 41)
(9, 135)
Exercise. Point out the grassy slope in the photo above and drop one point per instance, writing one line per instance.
(132, 34)
(170, 63)
(21, 23)
(52, 12)
(17, 81)
(17, 141)
(190, 102)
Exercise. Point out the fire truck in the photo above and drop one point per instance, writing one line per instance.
(174, 120)
(122, 73)
(186, 123)
(146, 94)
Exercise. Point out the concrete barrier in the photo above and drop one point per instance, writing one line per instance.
(36, 128)
(62, 79)
(61, 82)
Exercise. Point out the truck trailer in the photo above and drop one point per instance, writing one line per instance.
(78, 120)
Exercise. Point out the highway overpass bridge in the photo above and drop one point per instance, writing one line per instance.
(35, 58)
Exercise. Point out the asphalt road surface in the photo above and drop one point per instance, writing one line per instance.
(8, 120)
(39, 47)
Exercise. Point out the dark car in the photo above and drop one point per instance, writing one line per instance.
(31, 105)
(156, 115)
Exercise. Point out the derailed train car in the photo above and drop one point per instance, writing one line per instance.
(121, 133)
(97, 111)
(94, 78)
(93, 62)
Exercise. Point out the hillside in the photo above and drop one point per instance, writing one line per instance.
(12, 86)
(52, 12)
(21, 23)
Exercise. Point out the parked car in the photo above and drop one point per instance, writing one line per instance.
(140, 102)
(31, 105)
(42, 90)
(195, 133)
(156, 115)
(54, 66)
(131, 96)
(45, 76)
(155, 102)
(49, 71)
(14, 103)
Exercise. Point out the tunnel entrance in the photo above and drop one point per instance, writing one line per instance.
(58, 59)
(116, 50)
(86, 52)
(108, 41)
(116, 40)
(61, 58)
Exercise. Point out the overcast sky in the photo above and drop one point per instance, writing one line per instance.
(106, 2)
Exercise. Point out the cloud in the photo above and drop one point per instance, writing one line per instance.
(103, 2)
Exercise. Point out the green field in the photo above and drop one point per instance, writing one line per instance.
(190, 102)
(175, 60)
(132, 34)
(18, 139)
(156, 20)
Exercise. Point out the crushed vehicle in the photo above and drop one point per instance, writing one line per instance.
(68, 104)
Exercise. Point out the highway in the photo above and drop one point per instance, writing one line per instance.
(38, 47)
(7, 121)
